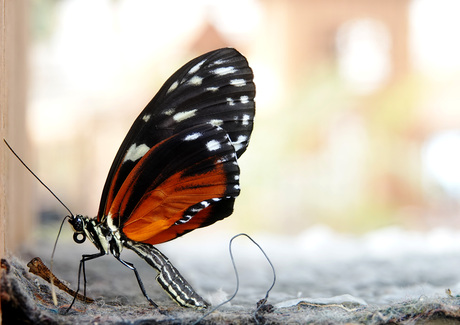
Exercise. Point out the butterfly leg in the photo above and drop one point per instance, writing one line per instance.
(84, 258)
(141, 285)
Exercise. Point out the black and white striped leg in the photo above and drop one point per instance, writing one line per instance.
(141, 285)
(84, 258)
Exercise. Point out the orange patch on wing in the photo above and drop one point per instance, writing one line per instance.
(161, 207)
(175, 231)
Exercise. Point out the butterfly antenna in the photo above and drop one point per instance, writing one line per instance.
(24, 164)
(262, 301)
(53, 293)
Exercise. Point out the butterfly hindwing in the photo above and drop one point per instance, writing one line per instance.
(215, 89)
(186, 181)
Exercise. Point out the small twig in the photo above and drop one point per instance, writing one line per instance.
(37, 267)
(304, 303)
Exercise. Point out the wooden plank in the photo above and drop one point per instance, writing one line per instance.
(2, 130)
(2, 134)
(16, 217)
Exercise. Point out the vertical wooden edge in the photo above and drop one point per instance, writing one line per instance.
(3, 118)
(18, 219)
(3, 126)
(13, 103)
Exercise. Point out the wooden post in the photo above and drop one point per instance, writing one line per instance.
(2, 129)
(16, 220)
(2, 134)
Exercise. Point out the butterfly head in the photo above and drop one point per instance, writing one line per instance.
(98, 233)
(78, 224)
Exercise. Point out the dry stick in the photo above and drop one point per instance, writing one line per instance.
(304, 303)
(37, 267)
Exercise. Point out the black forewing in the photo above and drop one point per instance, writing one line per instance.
(188, 172)
(216, 88)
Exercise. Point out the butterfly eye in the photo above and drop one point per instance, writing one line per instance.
(77, 223)
(79, 237)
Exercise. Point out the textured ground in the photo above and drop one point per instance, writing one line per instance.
(389, 276)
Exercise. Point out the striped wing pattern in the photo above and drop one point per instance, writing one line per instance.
(177, 168)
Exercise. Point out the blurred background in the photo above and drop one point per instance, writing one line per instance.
(358, 106)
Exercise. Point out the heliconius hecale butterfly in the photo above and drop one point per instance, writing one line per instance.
(177, 168)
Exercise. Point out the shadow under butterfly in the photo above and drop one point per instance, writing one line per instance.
(177, 168)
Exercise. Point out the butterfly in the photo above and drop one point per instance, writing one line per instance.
(177, 168)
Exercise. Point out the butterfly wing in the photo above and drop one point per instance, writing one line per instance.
(216, 89)
(187, 181)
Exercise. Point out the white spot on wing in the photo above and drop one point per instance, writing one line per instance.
(192, 136)
(181, 116)
(196, 67)
(216, 122)
(212, 89)
(184, 219)
(213, 145)
(195, 81)
(169, 112)
(173, 87)
(245, 120)
(218, 62)
(224, 71)
(238, 82)
(244, 99)
(238, 144)
(230, 101)
(146, 118)
(136, 152)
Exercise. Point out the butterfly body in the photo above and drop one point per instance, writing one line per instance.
(177, 168)
(108, 240)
